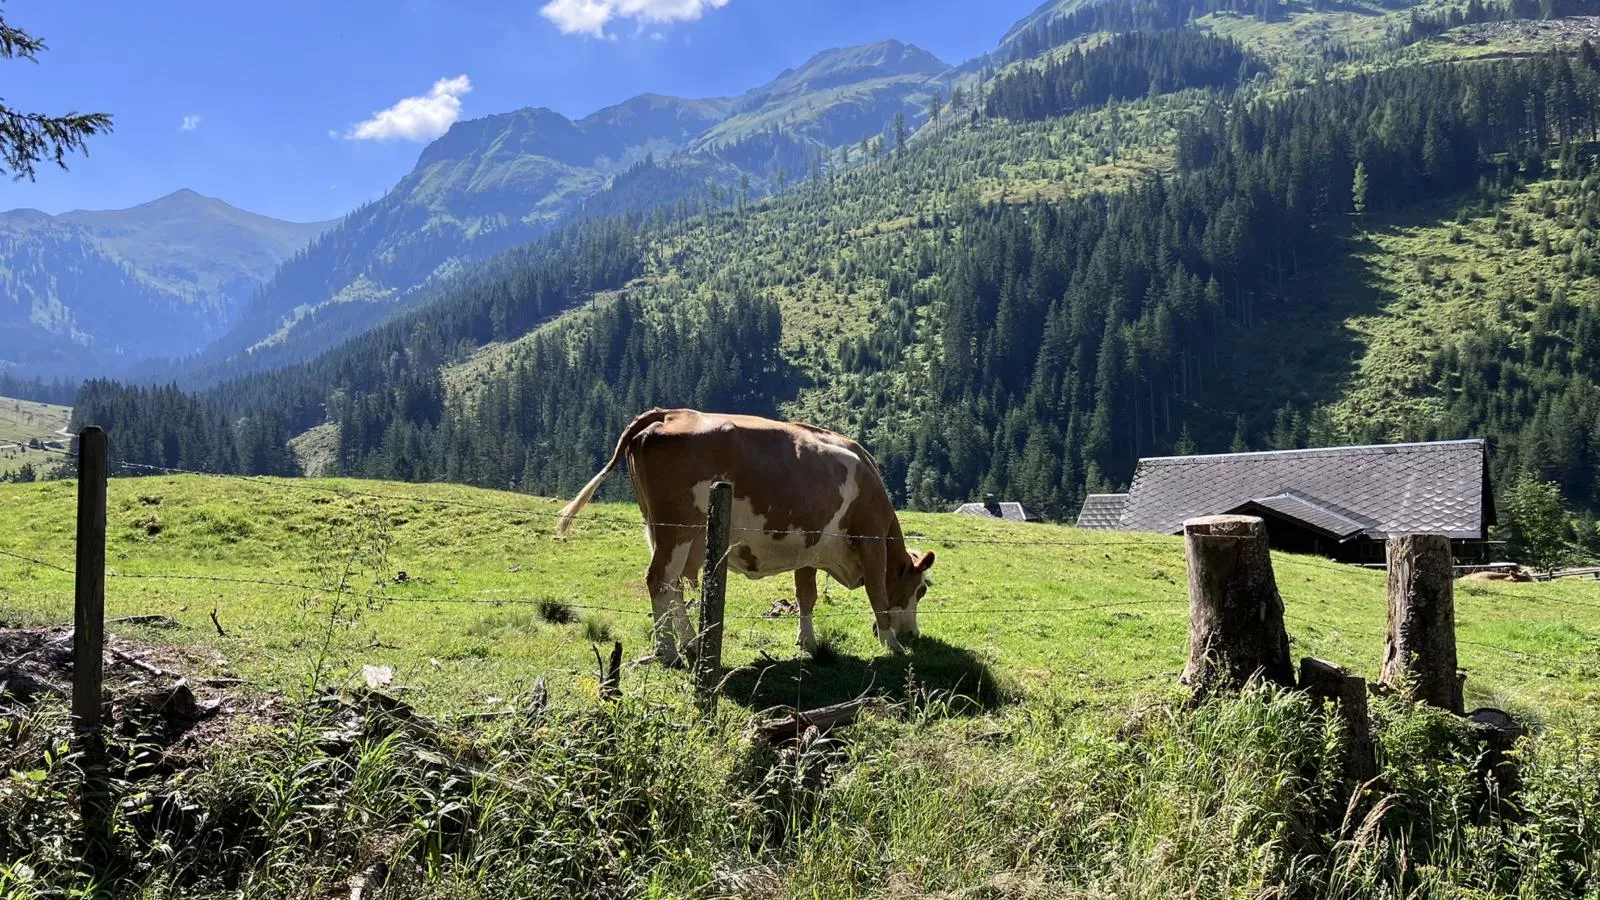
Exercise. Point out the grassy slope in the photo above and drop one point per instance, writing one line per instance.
(885, 208)
(1432, 288)
(1011, 617)
(24, 420)
(1394, 292)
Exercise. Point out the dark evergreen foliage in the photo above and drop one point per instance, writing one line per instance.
(1126, 66)
(59, 392)
(165, 427)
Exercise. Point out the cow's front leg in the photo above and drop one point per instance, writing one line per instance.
(881, 625)
(805, 595)
(878, 596)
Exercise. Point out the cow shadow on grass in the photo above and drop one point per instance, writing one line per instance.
(932, 671)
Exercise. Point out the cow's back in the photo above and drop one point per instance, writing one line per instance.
(787, 478)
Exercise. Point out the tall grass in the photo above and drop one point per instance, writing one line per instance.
(1234, 798)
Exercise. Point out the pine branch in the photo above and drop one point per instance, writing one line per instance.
(17, 44)
(27, 139)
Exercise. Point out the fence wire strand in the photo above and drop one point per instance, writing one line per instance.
(286, 483)
(35, 561)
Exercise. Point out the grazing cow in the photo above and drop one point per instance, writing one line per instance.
(1497, 576)
(804, 499)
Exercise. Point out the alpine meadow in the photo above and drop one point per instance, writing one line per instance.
(300, 595)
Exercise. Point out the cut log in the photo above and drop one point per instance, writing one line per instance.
(1348, 694)
(1419, 653)
(1236, 628)
(792, 726)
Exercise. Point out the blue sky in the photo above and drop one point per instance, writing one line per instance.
(271, 106)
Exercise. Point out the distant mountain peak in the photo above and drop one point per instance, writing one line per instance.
(841, 66)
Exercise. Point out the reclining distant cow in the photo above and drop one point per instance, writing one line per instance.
(804, 499)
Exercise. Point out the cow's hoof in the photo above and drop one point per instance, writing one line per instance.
(893, 645)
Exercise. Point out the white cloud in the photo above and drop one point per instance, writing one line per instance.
(416, 118)
(590, 16)
(190, 123)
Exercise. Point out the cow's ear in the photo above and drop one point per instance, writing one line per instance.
(926, 562)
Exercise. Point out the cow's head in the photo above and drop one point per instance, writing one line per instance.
(910, 584)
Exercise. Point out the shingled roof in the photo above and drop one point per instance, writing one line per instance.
(1009, 511)
(1102, 512)
(1344, 492)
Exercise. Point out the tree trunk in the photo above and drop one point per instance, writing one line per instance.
(1419, 653)
(1235, 612)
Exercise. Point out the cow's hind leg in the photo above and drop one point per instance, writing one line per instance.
(805, 595)
(689, 564)
(665, 583)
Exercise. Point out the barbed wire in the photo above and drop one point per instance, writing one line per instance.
(217, 579)
(785, 614)
(286, 483)
(35, 561)
(1358, 632)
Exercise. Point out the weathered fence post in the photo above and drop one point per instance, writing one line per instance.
(1348, 693)
(1419, 651)
(1235, 612)
(88, 641)
(713, 593)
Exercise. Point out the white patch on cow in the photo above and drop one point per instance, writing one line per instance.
(677, 571)
(904, 622)
(776, 552)
(808, 637)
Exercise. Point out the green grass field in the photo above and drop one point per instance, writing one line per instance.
(1043, 612)
(22, 421)
(1081, 771)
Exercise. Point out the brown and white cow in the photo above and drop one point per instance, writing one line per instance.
(804, 499)
(1515, 576)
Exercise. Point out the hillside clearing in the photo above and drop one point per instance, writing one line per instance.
(22, 421)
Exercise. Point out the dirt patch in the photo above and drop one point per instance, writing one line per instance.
(146, 697)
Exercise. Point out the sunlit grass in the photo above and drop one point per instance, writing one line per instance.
(492, 600)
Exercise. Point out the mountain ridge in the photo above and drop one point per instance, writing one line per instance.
(496, 181)
(102, 287)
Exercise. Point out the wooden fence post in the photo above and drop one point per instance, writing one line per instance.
(713, 593)
(1348, 693)
(1419, 650)
(88, 641)
(1235, 612)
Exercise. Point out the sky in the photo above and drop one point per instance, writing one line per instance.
(303, 109)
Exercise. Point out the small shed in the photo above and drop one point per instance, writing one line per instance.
(993, 508)
(1339, 502)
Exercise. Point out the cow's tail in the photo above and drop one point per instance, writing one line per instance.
(570, 511)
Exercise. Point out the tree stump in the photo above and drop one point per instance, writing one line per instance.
(1235, 612)
(1348, 693)
(1419, 651)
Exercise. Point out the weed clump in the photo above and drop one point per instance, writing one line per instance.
(557, 612)
(597, 629)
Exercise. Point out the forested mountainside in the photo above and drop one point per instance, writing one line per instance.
(95, 289)
(1055, 276)
(501, 181)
